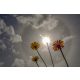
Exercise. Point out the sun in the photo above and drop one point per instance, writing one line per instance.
(46, 40)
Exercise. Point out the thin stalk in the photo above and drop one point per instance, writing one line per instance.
(50, 55)
(41, 58)
(64, 57)
(37, 63)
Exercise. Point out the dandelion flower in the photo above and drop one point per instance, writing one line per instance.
(57, 45)
(35, 45)
(35, 59)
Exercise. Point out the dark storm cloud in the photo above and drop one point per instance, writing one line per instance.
(7, 38)
(9, 19)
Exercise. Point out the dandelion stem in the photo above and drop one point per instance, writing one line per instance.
(41, 58)
(50, 55)
(37, 63)
(64, 57)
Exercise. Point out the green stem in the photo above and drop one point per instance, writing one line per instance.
(64, 57)
(50, 55)
(37, 63)
(41, 58)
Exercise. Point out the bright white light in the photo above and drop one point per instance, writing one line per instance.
(46, 40)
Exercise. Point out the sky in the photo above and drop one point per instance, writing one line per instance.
(18, 31)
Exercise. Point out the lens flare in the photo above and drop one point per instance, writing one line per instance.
(46, 40)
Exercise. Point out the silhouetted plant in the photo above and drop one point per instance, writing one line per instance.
(35, 46)
(58, 45)
(35, 59)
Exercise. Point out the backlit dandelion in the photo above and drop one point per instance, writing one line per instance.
(35, 59)
(58, 45)
(35, 46)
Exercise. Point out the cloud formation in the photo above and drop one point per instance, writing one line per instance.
(2, 45)
(68, 38)
(9, 30)
(18, 63)
(16, 38)
(28, 27)
(49, 24)
(7, 38)
(38, 22)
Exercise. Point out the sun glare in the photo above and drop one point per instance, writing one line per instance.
(46, 40)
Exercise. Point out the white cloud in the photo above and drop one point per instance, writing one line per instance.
(15, 38)
(10, 31)
(18, 63)
(27, 20)
(66, 39)
(23, 19)
(4, 28)
(47, 24)
(2, 24)
(2, 45)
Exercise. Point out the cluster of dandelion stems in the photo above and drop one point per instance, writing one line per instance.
(50, 55)
(35, 46)
(57, 45)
